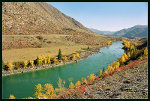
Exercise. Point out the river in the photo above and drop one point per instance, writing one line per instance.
(23, 85)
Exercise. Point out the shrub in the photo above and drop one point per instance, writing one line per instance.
(39, 37)
(18, 65)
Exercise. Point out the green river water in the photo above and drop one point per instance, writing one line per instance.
(23, 85)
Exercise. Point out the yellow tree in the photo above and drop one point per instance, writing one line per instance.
(49, 90)
(71, 86)
(128, 54)
(100, 73)
(11, 96)
(48, 60)
(82, 80)
(109, 68)
(55, 60)
(122, 59)
(65, 58)
(78, 83)
(146, 51)
(38, 90)
(25, 63)
(125, 55)
(10, 65)
(77, 54)
(73, 57)
(92, 77)
(85, 81)
(31, 63)
(108, 42)
(44, 60)
(39, 60)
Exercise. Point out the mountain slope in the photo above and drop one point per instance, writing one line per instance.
(135, 31)
(23, 18)
(25, 24)
(102, 32)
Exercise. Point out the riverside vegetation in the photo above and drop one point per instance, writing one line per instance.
(80, 88)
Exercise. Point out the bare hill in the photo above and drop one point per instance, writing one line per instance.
(24, 18)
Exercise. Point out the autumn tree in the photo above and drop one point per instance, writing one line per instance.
(55, 60)
(71, 86)
(25, 64)
(109, 42)
(77, 55)
(146, 51)
(49, 90)
(38, 91)
(100, 73)
(10, 65)
(39, 60)
(31, 63)
(48, 59)
(73, 57)
(11, 96)
(122, 59)
(65, 58)
(78, 83)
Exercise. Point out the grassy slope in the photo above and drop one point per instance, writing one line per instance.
(52, 48)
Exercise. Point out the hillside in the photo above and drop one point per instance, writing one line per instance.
(135, 31)
(102, 32)
(37, 28)
(25, 18)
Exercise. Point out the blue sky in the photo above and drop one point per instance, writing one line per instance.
(110, 16)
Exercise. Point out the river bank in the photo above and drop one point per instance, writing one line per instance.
(83, 55)
(132, 83)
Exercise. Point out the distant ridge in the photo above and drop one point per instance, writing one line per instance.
(102, 32)
(135, 31)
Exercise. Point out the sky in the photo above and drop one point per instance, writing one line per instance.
(106, 16)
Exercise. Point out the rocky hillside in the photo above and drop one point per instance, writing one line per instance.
(135, 31)
(25, 24)
(25, 18)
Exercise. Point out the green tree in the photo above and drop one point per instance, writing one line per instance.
(59, 54)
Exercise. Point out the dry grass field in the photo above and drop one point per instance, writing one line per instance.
(49, 45)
